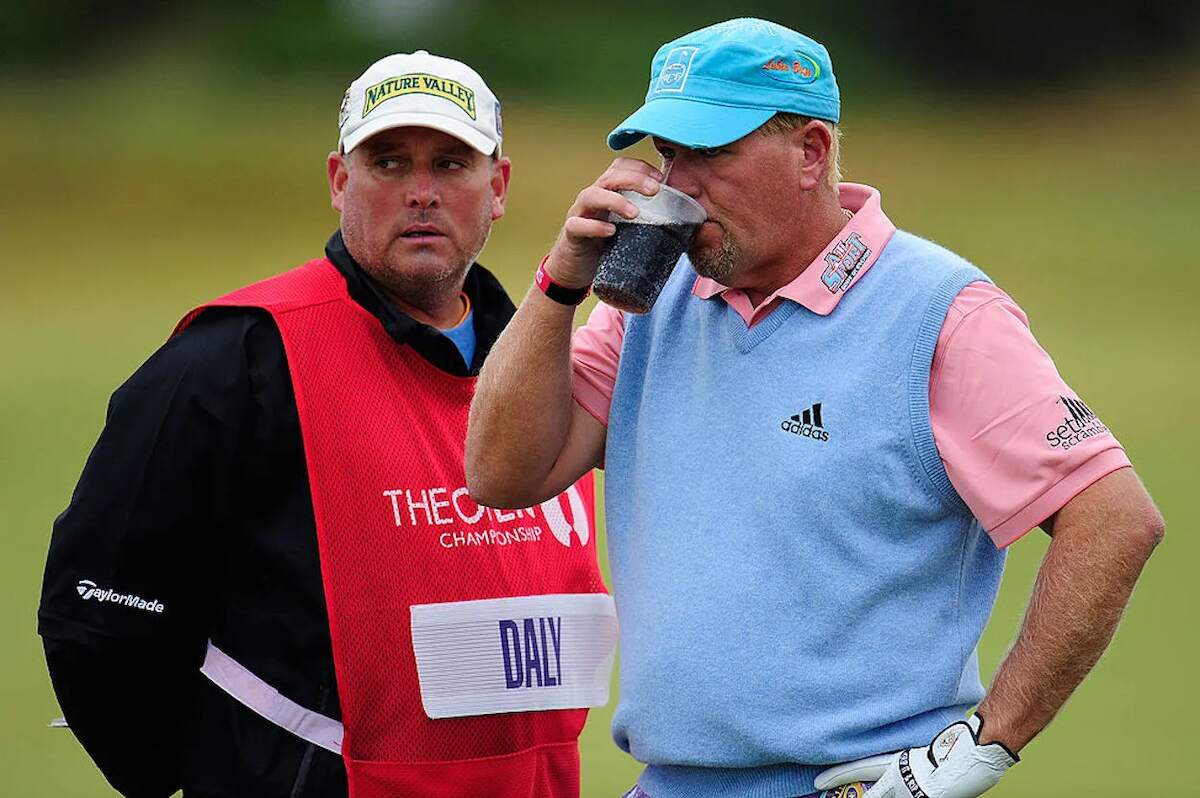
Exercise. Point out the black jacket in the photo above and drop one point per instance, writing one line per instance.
(195, 500)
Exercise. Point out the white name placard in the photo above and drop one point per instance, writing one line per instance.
(519, 654)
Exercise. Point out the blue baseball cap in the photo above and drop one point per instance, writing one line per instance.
(719, 83)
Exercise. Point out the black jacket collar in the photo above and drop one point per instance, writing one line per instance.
(489, 301)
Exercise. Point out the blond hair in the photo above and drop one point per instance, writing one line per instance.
(784, 122)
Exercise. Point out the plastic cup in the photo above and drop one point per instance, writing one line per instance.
(640, 257)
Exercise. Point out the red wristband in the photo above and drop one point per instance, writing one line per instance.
(559, 293)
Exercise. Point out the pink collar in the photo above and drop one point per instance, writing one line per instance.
(834, 272)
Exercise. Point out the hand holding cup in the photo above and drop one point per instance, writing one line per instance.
(641, 256)
(576, 253)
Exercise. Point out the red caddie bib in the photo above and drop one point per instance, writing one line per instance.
(467, 641)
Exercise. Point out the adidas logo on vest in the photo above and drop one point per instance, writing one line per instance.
(807, 424)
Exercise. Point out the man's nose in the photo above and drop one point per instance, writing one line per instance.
(423, 191)
(681, 177)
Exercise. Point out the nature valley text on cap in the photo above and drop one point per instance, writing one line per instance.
(715, 85)
(421, 90)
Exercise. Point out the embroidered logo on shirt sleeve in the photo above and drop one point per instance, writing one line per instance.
(1079, 424)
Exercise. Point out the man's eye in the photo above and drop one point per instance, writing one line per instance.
(666, 155)
(452, 165)
(387, 163)
(709, 152)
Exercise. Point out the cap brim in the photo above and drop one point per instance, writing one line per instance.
(460, 130)
(687, 122)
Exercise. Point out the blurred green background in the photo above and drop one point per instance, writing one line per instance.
(156, 155)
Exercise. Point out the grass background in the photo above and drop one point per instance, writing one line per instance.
(127, 202)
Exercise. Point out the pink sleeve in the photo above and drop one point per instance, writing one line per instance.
(1016, 441)
(595, 355)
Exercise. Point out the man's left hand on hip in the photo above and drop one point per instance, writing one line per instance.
(954, 765)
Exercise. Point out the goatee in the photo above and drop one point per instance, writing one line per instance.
(717, 265)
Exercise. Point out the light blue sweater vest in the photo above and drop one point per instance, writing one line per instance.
(797, 581)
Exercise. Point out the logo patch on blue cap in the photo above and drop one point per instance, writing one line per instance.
(675, 69)
(800, 68)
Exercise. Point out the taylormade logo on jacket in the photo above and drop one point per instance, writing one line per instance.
(88, 591)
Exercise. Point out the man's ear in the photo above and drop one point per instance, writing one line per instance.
(501, 172)
(337, 172)
(813, 141)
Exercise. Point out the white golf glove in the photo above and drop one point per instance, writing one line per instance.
(954, 765)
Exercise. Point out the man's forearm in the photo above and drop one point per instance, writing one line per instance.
(1101, 541)
(522, 410)
(526, 441)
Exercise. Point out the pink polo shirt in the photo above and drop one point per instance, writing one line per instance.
(1016, 441)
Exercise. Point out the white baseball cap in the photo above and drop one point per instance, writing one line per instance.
(421, 90)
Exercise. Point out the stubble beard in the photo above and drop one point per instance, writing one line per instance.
(424, 288)
(718, 264)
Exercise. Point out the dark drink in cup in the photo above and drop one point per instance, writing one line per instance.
(637, 262)
(643, 252)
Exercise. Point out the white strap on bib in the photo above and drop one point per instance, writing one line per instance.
(517, 654)
(234, 678)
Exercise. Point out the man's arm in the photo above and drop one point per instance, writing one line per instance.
(1101, 540)
(527, 440)
(1000, 412)
(145, 522)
